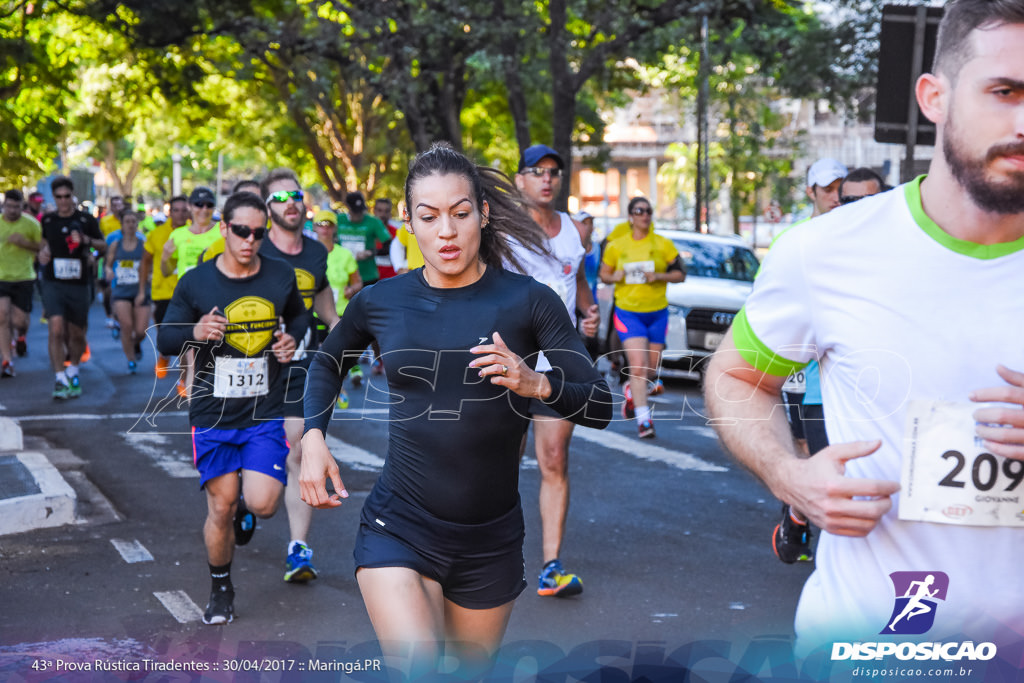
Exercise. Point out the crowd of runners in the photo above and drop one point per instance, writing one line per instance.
(265, 307)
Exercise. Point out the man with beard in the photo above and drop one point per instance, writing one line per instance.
(308, 257)
(911, 303)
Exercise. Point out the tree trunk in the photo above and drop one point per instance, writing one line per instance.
(563, 96)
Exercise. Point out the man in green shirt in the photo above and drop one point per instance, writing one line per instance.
(20, 239)
(359, 232)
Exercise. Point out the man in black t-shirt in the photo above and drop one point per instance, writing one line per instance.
(69, 236)
(228, 309)
(308, 258)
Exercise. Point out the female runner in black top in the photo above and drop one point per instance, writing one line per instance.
(439, 552)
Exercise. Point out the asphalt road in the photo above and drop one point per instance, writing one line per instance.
(671, 538)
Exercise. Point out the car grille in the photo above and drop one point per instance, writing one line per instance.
(700, 321)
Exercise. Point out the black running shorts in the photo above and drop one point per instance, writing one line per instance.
(67, 300)
(479, 566)
(20, 294)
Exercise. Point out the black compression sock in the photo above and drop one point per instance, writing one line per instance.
(221, 577)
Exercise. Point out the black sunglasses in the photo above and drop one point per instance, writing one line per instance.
(244, 231)
(203, 205)
(641, 212)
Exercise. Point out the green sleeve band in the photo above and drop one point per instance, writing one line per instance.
(756, 353)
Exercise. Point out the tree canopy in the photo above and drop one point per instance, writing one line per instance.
(347, 91)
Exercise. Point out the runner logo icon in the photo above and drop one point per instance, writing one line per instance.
(917, 596)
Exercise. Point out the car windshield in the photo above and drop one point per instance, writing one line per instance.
(712, 259)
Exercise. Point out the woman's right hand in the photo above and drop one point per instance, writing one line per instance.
(317, 465)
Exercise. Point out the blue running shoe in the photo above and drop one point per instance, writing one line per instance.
(554, 581)
(300, 564)
(75, 390)
(244, 523)
(133, 367)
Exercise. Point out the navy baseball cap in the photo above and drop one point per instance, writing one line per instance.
(534, 153)
(202, 194)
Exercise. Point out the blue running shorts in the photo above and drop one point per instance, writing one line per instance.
(653, 325)
(262, 447)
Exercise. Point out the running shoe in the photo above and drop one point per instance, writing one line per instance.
(115, 329)
(656, 388)
(356, 375)
(378, 367)
(161, 367)
(133, 367)
(342, 402)
(245, 523)
(20, 346)
(554, 581)
(221, 608)
(76, 387)
(645, 430)
(628, 409)
(300, 565)
(791, 539)
(7, 370)
(61, 391)
(181, 389)
(87, 354)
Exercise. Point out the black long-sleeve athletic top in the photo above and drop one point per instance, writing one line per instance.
(253, 306)
(454, 437)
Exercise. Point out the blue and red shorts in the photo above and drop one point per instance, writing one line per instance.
(653, 325)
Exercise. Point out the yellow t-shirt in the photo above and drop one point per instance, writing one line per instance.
(413, 255)
(619, 230)
(108, 224)
(15, 262)
(651, 254)
(189, 245)
(213, 250)
(163, 286)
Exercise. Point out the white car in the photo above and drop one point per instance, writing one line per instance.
(720, 272)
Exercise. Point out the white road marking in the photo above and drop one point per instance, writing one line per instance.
(353, 456)
(180, 606)
(157, 448)
(646, 451)
(132, 551)
(702, 430)
(93, 416)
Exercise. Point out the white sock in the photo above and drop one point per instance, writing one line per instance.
(643, 414)
(71, 371)
(293, 546)
(62, 378)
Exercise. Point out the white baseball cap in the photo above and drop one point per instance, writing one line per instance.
(824, 172)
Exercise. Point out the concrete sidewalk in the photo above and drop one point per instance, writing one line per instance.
(44, 487)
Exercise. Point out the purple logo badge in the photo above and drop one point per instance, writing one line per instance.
(917, 596)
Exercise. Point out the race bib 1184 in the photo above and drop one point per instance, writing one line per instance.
(949, 478)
